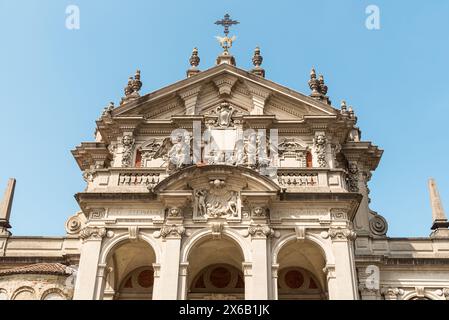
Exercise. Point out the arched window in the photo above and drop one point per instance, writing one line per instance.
(24, 294)
(3, 294)
(218, 281)
(298, 283)
(309, 159)
(137, 285)
(138, 162)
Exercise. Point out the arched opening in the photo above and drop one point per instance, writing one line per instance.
(309, 163)
(130, 272)
(24, 294)
(138, 162)
(215, 271)
(300, 275)
(53, 294)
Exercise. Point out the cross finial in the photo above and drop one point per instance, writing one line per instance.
(226, 22)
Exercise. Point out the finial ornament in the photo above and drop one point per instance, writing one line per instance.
(318, 87)
(351, 112)
(194, 61)
(226, 41)
(257, 62)
(226, 22)
(108, 109)
(323, 87)
(343, 107)
(257, 58)
(132, 88)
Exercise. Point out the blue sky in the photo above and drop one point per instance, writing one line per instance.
(54, 83)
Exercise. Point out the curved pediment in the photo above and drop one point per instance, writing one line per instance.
(199, 177)
(218, 191)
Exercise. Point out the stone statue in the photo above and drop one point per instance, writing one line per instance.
(127, 144)
(320, 149)
(175, 151)
(201, 200)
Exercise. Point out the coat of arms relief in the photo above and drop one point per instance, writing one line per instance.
(224, 142)
(217, 196)
(217, 201)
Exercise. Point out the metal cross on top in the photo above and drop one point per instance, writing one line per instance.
(226, 23)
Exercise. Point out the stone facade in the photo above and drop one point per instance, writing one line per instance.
(226, 185)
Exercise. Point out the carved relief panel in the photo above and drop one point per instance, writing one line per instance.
(217, 201)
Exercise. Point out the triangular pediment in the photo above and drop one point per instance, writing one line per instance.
(200, 94)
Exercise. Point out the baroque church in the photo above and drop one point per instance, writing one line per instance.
(226, 185)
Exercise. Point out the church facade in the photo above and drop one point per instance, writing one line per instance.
(226, 185)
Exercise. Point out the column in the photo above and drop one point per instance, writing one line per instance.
(274, 281)
(156, 282)
(170, 269)
(344, 287)
(247, 273)
(171, 233)
(87, 271)
(183, 273)
(259, 268)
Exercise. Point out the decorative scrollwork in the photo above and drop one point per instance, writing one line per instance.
(260, 231)
(340, 233)
(75, 223)
(378, 225)
(173, 230)
(92, 233)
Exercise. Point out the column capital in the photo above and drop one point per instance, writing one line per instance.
(391, 293)
(259, 231)
(340, 233)
(183, 268)
(92, 233)
(247, 268)
(157, 270)
(170, 231)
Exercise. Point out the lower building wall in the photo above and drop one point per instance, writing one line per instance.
(36, 287)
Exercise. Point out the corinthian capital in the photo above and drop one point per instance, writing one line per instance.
(172, 231)
(340, 233)
(391, 293)
(92, 233)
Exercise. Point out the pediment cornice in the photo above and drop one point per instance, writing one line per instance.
(225, 78)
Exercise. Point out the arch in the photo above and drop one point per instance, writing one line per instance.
(216, 281)
(3, 294)
(24, 289)
(186, 174)
(201, 235)
(299, 283)
(284, 240)
(104, 288)
(50, 291)
(115, 242)
(137, 284)
(413, 294)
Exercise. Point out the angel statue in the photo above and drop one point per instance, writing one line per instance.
(176, 151)
(225, 42)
